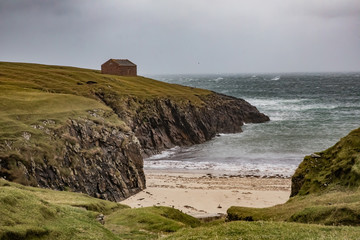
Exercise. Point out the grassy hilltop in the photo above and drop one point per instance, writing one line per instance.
(33, 93)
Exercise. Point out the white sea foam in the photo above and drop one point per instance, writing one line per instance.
(165, 154)
(292, 105)
(260, 170)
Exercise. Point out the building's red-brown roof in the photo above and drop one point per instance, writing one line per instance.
(123, 62)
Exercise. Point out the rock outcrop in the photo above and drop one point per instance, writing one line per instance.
(336, 167)
(161, 124)
(92, 158)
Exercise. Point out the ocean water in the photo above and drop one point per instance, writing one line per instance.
(308, 113)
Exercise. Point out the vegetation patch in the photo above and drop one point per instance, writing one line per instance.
(33, 213)
(333, 169)
(149, 222)
(265, 230)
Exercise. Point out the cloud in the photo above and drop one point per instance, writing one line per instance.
(173, 36)
(15, 7)
(329, 9)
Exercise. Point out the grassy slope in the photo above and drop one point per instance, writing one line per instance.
(33, 93)
(149, 222)
(337, 168)
(28, 212)
(75, 81)
(266, 230)
(332, 208)
(34, 213)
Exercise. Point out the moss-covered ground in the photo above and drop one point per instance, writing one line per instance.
(332, 208)
(34, 213)
(266, 230)
(336, 168)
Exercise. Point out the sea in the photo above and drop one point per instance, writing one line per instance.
(309, 112)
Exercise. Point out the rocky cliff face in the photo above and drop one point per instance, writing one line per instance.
(92, 158)
(161, 124)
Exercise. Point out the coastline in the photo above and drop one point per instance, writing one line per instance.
(201, 194)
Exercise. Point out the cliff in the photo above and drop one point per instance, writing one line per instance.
(337, 168)
(76, 129)
(163, 123)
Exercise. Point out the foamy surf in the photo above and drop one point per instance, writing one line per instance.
(264, 170)
(276, 78)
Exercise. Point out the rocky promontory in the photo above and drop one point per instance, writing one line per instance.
(163, 123)
(78, 130)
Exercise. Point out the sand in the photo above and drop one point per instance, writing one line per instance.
(201, 194)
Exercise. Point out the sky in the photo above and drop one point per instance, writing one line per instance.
(185, 36)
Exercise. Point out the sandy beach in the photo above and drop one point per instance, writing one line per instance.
(200, 194)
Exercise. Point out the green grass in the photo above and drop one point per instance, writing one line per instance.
(31, 111)
(75, 81)
(32, 93)
(148, 223)
(332, 208)
(34, 213)
(241, 230)
(67, 198)
(337, 168)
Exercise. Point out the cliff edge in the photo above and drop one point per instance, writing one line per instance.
(76, 129)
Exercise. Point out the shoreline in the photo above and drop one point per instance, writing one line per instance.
(214, 173)
(200, 193)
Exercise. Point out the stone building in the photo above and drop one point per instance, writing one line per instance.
(121, 67)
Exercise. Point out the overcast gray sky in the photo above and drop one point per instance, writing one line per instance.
(185, 36)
